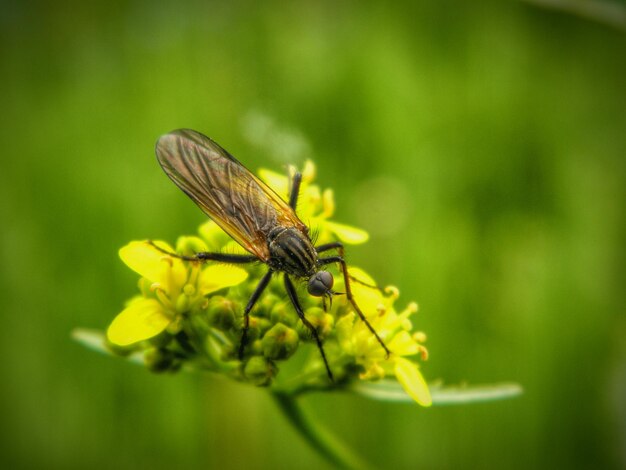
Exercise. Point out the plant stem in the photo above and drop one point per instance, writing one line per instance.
(319, 438)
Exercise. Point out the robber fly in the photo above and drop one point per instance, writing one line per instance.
(256, 218)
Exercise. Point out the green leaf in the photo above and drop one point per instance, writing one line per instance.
(96, 341)
(91, 339)
(389, 390)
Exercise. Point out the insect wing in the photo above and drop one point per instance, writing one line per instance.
(241, 204)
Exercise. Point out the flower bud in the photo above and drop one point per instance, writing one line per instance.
(160, 360)
(373, 372)
(182, 303)
(161, 340)
(419, 336)
(228, 351)
(199, 324)
(268, 301)
(189, 246)
(256, 348)
(322, 321)
(327, 324)
(260, 371)
(221, 313)
(189, 290)
(308, 172)
(176, 325)
(282, 312)
(213, 235)
(280, 342)
(258, 326)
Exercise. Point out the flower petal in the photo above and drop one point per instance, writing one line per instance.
(328, 203)
(344, 329)
(152, 264)
(142, 319)
(403, 344)
(279, 183)
(361, 275)
(412, 381)
(234, 248)
(190, 245)
(308, 172)
(347, 233)
(368, 298)
(219, 276)
(213, 235)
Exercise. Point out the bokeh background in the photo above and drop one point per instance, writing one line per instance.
(482, 144)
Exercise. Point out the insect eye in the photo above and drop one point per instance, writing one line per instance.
(320, 283)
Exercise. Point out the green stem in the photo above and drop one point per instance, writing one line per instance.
(319, 438)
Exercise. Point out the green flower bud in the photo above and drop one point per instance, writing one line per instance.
(263, 324)
(266, 304)
(315, 316)
(160, 360)
(199, 323)
(228, 352)
(322, 321)
(189, 246)
(258, 326)
(260, 371)
(189, 290)
(256, 348)
(161, 340)
(327, 324)
(282, 312)
(176, 325)
(244, 290)
(182, 303)
(280, 342)
(221, 312)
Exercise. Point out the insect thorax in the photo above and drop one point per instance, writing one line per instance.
(291, 251)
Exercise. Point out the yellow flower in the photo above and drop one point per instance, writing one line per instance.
(314, 206)
(176, 288)
(356, 340)
(175, 299)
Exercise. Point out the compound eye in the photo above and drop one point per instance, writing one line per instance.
(320, 283)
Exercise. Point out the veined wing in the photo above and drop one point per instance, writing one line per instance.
(241, 204)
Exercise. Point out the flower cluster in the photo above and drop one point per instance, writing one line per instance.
(191, 314)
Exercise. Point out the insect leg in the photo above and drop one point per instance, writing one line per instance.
(330, 246)
(246, 317)
(295, 190)
(346, 280)
(225, 257)
(291, 291)
(339, 247)
(206, 256)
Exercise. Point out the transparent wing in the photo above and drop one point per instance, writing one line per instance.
(241, 204)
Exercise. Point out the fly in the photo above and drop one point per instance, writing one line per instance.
(256, 218)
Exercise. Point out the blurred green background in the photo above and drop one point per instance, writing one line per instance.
(482, 144)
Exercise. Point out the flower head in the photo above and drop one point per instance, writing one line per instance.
(191, 313)
(171, 289)
(357, 341)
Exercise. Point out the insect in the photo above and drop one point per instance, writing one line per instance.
(256, 218)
